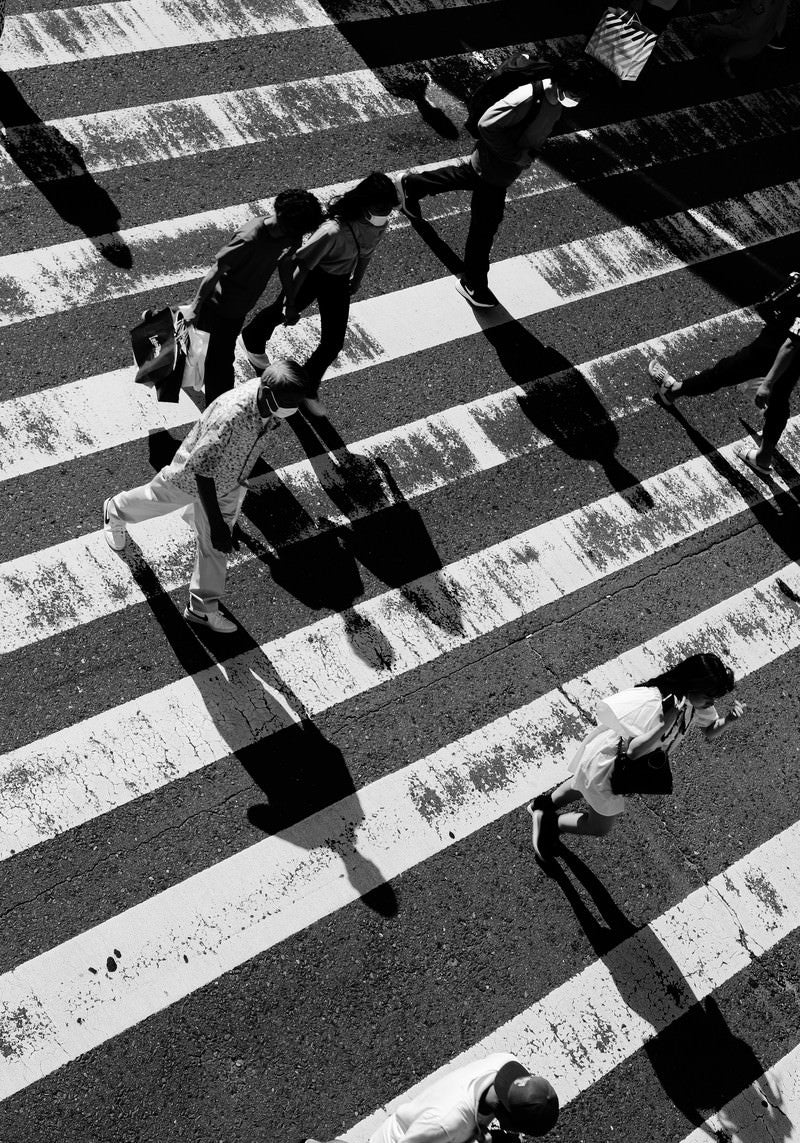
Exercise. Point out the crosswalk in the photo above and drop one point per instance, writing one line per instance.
(269, 889)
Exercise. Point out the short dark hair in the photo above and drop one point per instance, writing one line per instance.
(579, 76)
(298, 210)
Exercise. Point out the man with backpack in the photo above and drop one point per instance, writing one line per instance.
(511, 115)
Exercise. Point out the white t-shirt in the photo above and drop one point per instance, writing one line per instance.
(447, 1111)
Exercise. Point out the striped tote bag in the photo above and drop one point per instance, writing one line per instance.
(621, 43)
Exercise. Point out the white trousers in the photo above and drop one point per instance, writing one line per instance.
(207, 585)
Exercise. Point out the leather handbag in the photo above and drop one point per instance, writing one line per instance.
(648, 774)
(621, 43)
(782, 306)
(159, 350)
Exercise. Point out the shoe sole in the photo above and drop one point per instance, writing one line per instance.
(411, 214)
(257, 360)
(478, 305)
(190, 617)
(109, 535)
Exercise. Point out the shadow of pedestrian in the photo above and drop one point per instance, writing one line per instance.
(316, 559)
(700, 1063)
(564, 407)
(57, 169)
(777, 512)
(265, 728)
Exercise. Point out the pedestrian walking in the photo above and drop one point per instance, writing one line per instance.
(752, 27)
(208, 479)
(638, 730)
(771, 361)
(328, 269)
(461, 1105)
(243, 268)
(510, 134)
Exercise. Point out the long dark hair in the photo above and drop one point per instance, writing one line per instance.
(705, 673)
(377, 189)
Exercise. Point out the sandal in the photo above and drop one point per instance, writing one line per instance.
(748, 457)
(666, 384)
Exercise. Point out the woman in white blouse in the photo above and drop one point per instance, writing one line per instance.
(651, 717)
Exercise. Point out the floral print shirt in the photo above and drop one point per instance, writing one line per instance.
(224, 444)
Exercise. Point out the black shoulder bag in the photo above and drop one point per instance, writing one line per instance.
(648, 774)
(783, 305)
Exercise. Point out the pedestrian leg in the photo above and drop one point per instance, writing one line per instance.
(776, 416)
(333, 297)
(486, 214)
(455, 176)
(207, 585)
(260, 329)
(218, 372)
(752, 360)
(157, 498)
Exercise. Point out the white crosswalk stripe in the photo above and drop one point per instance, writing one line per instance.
(105, 759)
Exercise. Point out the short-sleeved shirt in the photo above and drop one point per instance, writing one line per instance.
(507, 145)
(338, 247)
(249, 259)
(224, 444)
(593, 762)
(447, 1110)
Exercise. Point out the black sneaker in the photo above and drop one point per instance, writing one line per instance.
(407, 205)
(479, 296)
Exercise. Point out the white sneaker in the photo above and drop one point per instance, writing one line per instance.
(213, 620)
(114, 530)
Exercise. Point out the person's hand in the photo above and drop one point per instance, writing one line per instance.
(188, 314)
(290, 316)
(763, 393)
(221, 537)
(736, 711)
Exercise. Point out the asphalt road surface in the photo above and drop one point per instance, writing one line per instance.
(259, 888)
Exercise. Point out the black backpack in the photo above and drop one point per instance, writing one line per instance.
(516, 71)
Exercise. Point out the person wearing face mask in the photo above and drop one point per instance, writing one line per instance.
(208, 479)
(461, 1105)
(647, 722)
(328, 269)
(510, 135)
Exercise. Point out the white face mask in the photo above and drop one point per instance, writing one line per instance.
(377, 219)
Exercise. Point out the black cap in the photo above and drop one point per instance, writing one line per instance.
(529, 1100)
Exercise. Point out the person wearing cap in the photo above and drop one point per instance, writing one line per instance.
(461, 1105)
(208, 479)
(241, 273)
(511, 133)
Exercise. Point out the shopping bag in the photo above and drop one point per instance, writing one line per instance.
(196, 350)
(621, 43)
(158, 343)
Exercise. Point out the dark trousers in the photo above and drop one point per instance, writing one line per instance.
(753, 360)
(218, 374)
(486, 210)
(331, 292)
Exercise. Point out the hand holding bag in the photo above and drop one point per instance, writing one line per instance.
(196, 350)
(621, 43)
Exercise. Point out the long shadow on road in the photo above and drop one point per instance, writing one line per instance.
(698, 1060)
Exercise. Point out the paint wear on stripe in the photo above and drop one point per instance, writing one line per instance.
(178, 128)
(36, 282)
(52, 1009)
(59, 782)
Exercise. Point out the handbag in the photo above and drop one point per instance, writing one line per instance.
(648, 774)
(621, 43)
(782, 306)
(159, 350)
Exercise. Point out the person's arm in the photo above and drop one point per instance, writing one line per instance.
(221, 536)
(720, 725)
(359, 272)
(299, 264)
(783, 359)
(204, 291)
(644, 743)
